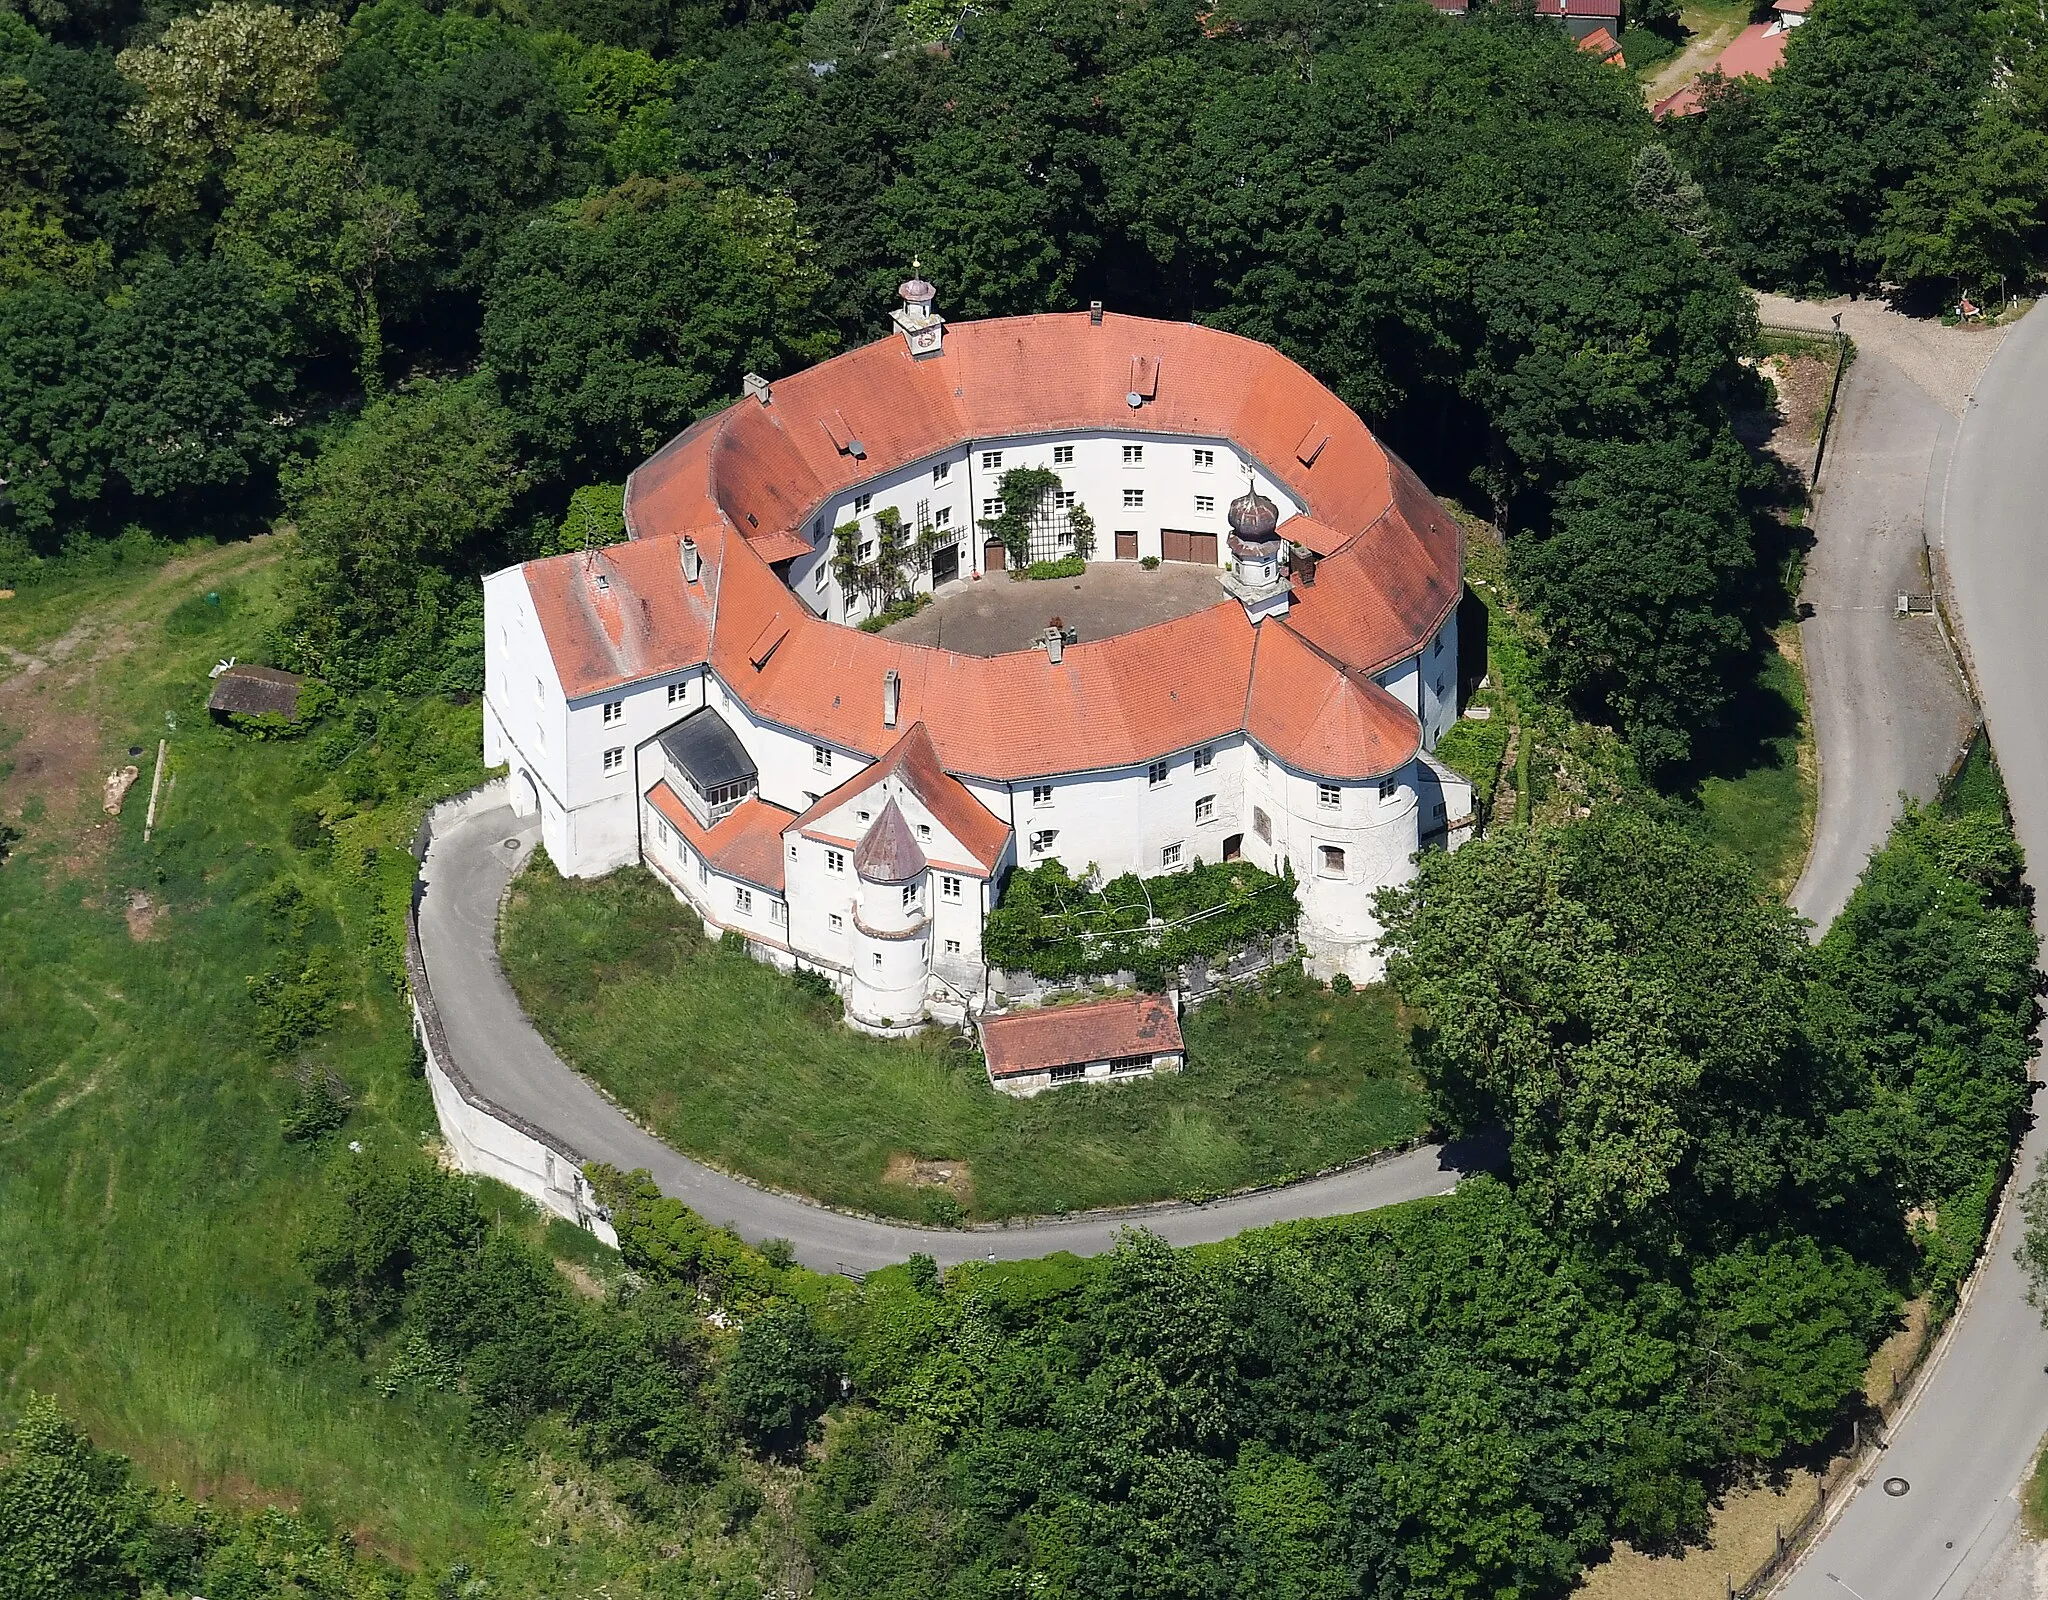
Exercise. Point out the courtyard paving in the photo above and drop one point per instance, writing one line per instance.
(998, 614)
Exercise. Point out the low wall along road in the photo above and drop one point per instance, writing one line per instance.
(512, 1109)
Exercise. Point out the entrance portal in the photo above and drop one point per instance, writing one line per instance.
(945, 565)
(1177, 544)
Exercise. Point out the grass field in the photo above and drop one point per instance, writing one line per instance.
(149, 1206)
(1763, 813)
(734, 1063)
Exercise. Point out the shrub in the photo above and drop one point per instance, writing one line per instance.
(779, 1378)
(1149, 563)
(320, 1107)
(1065, 567)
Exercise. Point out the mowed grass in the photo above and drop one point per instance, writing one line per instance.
(149, 1208)
(736, 1064)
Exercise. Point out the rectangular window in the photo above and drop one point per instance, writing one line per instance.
(1260, 757)
(1063, 499)
(615, 758)
(952, 947)
(603, 584)
(942, 472)
(1041, 794)
(1156, 774)
(1041, 842)
(1439, 688)
(864, 816)
(1205, 808)
(837, 922)
(861, 502)
(1170, 856)
(661, 827)
(1063, 455)
(1205, 504)
(614, 711)
(818, 578)
(943, 517)
(703, 871)
(743, 900)
(1134, 499)
(867, 549)
(679, 692)
(1262, 824)
(1328, 794)
(909, 895)
(1066, 1074)
(924, 830)
(835, 860)
(1205, 758)
(949, 885)
(540, 695)
(1134, 455)
(991, 460)
(1205, 460)
(778, 913)
(1389, 788)
(1332, 858)
(1437, 649)
(821, 758)
(991, 508)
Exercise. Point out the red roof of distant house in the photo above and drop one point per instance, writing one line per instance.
(1603, 44)
(1452, 8)
(1062, 1036)
(746, 482)
(745, 844)
(1578, 8)
(1756, 53)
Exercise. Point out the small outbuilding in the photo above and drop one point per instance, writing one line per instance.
(1029, 1051)
(242, 691)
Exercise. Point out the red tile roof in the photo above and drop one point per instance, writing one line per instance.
(1603, 44)
(746, 482)
(914, 758)
(1060, 1036)
(745, 844)
(1579, 8)
(1317, 717)
(1756, 53)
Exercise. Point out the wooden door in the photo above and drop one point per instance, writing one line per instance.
(945, 565)
(993, 556)
(1127, 544)
(1177, 544)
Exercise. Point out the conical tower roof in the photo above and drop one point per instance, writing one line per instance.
(888, 853)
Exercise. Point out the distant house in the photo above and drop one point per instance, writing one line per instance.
(255, 691)
(1030, 1051)
(1756, 53)
(1583, 18)
(1603, 47)
(1451, 8)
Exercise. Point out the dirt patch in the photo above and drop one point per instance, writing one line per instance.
(920, 1172)
(581, 1278)
(1699, 54)
(1745, 1529)
(142, 915)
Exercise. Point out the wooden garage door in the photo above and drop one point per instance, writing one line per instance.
(1127, 544)
(1177, 545)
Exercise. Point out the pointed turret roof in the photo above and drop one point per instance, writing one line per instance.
(888, 852)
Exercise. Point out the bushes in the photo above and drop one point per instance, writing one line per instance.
(1054, 926)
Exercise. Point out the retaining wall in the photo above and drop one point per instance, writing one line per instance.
(485, 1138)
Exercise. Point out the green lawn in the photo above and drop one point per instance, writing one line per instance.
(734, 1063)
(149, 1207)
(1763, 813)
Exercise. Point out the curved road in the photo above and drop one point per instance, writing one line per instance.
(464, 876)
(1969, 1439)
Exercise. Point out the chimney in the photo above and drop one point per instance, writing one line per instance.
(892, 694)
(1095, 312)
(1055, 641)
(1301, 561)
(693, 560)
(755, 387)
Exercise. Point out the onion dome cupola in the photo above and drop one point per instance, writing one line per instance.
(1255, 538)
(923, 329)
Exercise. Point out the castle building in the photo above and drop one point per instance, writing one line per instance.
(701, 698)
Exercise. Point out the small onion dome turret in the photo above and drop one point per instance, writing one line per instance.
(917, 294)
(888, 852)
(1254, 518)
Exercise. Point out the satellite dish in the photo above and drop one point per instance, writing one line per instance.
(1134, 399)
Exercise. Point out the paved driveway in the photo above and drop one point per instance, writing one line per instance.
(1889, 708)
(465, 873)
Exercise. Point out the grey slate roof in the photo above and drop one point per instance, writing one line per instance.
(252, 691)
(888, 852)
(708, 751)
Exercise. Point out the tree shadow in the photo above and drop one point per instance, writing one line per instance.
(1758, 729)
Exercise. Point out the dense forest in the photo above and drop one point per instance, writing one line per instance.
(1732, 1155)
(428, 282)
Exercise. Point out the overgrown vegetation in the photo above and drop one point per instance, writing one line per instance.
(1054, 925)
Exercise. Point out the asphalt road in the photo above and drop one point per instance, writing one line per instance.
(1967, 1442)
(1889, 708)
(464, 876)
